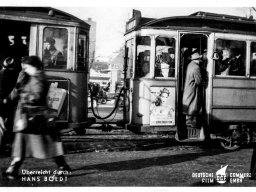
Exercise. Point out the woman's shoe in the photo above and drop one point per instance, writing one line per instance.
(10, 175)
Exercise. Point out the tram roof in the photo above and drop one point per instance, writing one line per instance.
(203, 21)
(40, 15)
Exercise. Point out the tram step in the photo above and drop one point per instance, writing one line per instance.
(194, 133)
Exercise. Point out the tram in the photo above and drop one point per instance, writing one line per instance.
(229, 104)
(61, 40)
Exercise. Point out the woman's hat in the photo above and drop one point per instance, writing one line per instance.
(8, 63)
(33, 61)
(195, 56)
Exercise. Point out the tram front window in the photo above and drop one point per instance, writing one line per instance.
(129, 57)
(165, 57)
(142, 68)
(82, 53)
(231, 58)
(55, 48)
(253, 59)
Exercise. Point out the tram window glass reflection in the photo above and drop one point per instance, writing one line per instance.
(231, 58)
(82, 53)
(129, 46)
(142, 67)
(253, 59)
(55, 48)
(165, 57)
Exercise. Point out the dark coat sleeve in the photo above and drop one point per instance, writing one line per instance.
(198, 76)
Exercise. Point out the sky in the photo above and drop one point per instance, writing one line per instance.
(111, 15)
(110, 22)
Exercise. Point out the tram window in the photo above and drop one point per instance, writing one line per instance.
(231, 58)
(143, 57)
(55, 48)
(81, 54)
(165, 57)
(253, 59)
(129, 46)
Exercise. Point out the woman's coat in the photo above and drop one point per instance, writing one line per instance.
(32, 91)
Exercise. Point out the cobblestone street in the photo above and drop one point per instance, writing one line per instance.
(173, 165)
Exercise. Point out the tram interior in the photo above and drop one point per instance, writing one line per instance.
(189, 44)
(14, 38)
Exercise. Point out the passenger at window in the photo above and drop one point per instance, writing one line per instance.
(52, 57)
(159, 59)
(253, 65)
(169, 58)
(203, 68)
(165, 64)
(223, 64)
(143, 63)
(253, 59)
(236, 68)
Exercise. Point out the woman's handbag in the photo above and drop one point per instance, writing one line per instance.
(20, 122)
(33, 111)
(36, 119)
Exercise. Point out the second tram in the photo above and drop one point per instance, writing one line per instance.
(229, 105)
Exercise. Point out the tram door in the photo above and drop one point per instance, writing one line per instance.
(189, 43)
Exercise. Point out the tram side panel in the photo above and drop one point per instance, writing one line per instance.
(77, 96)
(140, 105)
(234, 101)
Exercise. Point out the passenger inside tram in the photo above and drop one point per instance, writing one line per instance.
(165, 63)
(52, 56)
(253, 59)
(142, 67)
(144, 63)
(230, 61)
(55, 48)
(165, 57)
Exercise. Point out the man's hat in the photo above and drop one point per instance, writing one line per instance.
(8, 63)
(195, 56)
(171, 50)
(50, 40)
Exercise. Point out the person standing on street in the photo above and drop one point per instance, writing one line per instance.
(192, 95)
(32, 139)
(253, 165)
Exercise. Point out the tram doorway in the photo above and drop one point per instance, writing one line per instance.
(189, 44)
(14, 38)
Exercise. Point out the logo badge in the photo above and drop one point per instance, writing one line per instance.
(221, 176)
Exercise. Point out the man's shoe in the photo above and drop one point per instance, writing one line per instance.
(65, 168)
(64, 171)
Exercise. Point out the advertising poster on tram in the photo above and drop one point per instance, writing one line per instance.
(162, 109)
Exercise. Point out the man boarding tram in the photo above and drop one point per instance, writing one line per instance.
(192, 95)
